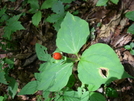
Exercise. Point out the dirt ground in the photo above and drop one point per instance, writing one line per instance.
(113, 32)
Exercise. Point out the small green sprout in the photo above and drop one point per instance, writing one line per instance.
(130, 47)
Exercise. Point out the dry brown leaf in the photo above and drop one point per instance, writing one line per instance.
(109, 28)
(128, 57)
(121, 40)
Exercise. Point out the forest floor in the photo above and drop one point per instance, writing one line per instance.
(113, 32)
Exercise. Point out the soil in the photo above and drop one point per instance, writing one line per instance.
(113, 31)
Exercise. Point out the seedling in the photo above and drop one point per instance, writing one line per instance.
(130, 15)
(97, 65)
(130, 48)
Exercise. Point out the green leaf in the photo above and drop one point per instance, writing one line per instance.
(41, 52)
(34, 5)
(7, 33)
(4, 18)
(57, 24)
(128, 47)
(1, 98)
(54, 18)
(67, 1)
(94, 96)
(1, 65)
(55, 76)
(48, 4)
(132, 44)
(69, 96)
(131, 29)
(130, 15)
(12, 25)
(13, 19)
(92, 87)
(132, 52)
(58, 7)
(9, 61)
(83, 94)
(115, 1)
(46, 95)
(36, 18)
(71, 81)
(2, 11)
(15, 26)
(99, 64)
(29, 88)
(2, 77)
(111, 92)
(101, 2)
(3, 15)
(12, 86)
(73, 34)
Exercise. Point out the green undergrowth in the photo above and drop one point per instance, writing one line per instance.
(68, 79)
(97, 65)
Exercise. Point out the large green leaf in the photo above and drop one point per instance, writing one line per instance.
(55, 76)
(72, 34)
(99, 64)
(29, 88)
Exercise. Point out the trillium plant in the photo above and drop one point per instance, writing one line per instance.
(61, 78)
